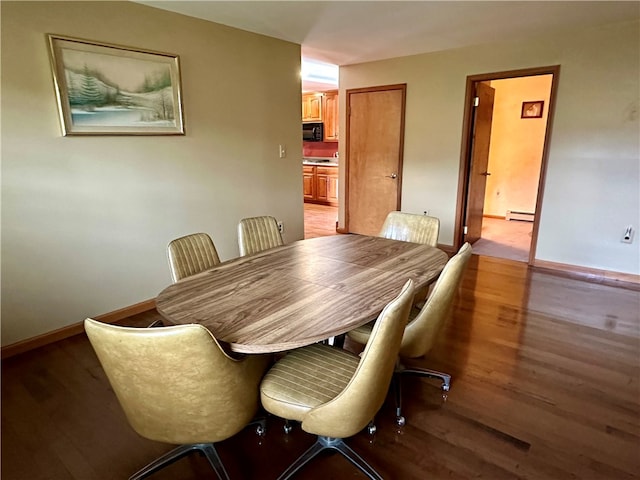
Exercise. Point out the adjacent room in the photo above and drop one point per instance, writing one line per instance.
(439, 277)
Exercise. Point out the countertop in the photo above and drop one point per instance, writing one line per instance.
(323, 161)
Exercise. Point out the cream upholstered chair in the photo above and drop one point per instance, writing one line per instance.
(335, 393)
(176, 385)
(425, 325)
(191, 254)
(410, 227)
(256, 234)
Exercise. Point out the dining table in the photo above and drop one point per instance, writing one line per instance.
(300, 293)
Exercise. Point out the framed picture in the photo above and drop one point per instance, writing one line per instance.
(532, 109)
(107, 89)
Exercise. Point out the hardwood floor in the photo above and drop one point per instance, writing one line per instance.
(545, 386)
(319, 220)
(505, 239)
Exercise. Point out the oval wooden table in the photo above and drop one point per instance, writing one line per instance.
(300, 293)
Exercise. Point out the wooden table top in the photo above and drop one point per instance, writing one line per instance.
(300, 293)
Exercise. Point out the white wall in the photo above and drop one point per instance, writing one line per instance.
(592, 187)
(86, 220)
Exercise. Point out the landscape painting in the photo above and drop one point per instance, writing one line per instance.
(106, 89)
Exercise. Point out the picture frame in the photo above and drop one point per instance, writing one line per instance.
(106, 89)
(532, 109)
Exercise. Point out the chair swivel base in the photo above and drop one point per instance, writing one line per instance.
(206, 449)
(419, 372)
(324, 443)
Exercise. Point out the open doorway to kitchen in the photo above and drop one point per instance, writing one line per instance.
(320, 160)
(502, 172)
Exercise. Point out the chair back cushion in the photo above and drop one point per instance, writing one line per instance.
(352, 409)
(257, 234)
(422, 332)
(175, 384)
(191, 254)
(410, 227)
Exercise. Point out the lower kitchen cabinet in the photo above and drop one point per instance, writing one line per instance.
(320, 184)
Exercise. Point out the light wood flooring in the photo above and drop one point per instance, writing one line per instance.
(504, 239)
(319, 220)
(545, 385)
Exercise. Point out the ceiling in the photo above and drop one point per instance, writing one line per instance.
(348, 32)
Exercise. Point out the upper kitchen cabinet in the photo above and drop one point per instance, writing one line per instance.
(312, 107)
(322, 107)
(330, 110)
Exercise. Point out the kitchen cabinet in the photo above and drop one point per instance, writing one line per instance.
(309, 182)
(330, 116)
(312, 107)
(320, 184)
(322, 107)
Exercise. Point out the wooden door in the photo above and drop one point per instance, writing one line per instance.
(309, 182)
(481, 135)
(330, 115)
(375, 135)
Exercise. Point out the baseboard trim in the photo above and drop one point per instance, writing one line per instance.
(590, 274)
(74, 329)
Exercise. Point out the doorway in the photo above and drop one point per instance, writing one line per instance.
(375, 142)
(505, 140)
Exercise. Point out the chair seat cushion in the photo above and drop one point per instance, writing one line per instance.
(361, 334)
(306, 378)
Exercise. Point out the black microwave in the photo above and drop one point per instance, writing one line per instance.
(312, 132)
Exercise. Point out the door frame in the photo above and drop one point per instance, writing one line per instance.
(399, 86)
(467, 147)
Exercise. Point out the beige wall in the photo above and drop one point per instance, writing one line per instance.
(592, 189)
(86, 220)
(515, 152)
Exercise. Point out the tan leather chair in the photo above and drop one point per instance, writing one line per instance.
(191, 254)
(425, 325)
(410, 227)
(335, 393)
(256, 234)
(176, 385)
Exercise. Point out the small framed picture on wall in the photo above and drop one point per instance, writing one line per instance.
(532, 109)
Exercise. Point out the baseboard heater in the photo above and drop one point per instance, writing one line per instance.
(521, 216)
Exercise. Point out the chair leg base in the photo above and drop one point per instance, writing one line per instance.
(206, 449)
(324, 443)
(420, 372)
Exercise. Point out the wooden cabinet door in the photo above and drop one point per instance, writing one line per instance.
(332, 189)
(309, 183)
(321, 186)
(330, 114)
(311, 107)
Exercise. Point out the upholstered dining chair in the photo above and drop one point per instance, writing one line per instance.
(333, 392)
(176, 385)
(191, 254)
(424, 326)
(410, 227)
(256, 234)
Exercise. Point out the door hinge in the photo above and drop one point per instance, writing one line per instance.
(465, 230)
(476, 101)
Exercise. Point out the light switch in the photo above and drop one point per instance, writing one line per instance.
(283, 151)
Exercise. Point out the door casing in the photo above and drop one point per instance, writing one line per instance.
(467, 148)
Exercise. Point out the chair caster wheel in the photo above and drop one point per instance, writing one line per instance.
(371, 429)
(287, 429)
(261, 430)
(400, 421)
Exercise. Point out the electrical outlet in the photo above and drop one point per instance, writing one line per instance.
(627, 236)
(281, 227)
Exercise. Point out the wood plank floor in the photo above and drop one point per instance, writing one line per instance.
(545, 386)
(319, 220)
